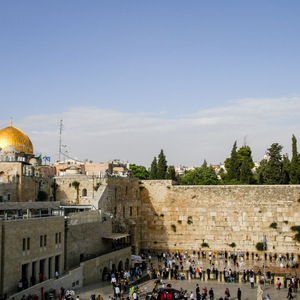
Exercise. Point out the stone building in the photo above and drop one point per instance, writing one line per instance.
(32, 243)
(42, 237)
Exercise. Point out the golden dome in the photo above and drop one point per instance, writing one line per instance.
(11, 136)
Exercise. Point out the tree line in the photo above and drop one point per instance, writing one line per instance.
(275, 168)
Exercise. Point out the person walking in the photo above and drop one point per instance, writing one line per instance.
(252, 282)
(239, 294)
(227, 294)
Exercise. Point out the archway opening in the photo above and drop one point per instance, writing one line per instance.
(105, 274)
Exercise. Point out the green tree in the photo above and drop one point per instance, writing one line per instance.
(246, 165)
(153, 169)
(271, 172)
(139, 171)
(161, 165)
(200, 176)
(232, 166)
(295, 163)
(286, 167)
(171, 174)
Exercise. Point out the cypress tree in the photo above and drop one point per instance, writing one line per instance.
(153, 169)
(273, 171)
(295, 163)
(232, 165)
(161, 165)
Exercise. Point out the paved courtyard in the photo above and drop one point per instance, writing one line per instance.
(105, 289)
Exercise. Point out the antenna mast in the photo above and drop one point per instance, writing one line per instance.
(60, 132)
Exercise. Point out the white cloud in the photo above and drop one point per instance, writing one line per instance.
(101, 135)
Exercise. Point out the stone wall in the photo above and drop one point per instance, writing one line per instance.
(184, 217)
(84, 236)
(94, 269)
(67, 194)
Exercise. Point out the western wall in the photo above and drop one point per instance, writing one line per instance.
(184, 217)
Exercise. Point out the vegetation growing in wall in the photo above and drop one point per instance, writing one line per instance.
(204, 245)
(162, 215)
(173, 227)
(273, 225)
(190, 220)
(286, 222)
(260, 246)
(179, 221)
(96, 187)
(233, 245)
(54, 186)
(76, 184)
(297, 235)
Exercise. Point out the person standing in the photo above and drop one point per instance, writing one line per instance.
(197, 289)
(211, 294)
(239, 294)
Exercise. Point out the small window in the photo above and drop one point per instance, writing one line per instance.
(123, 212)
(45, 240)
(130, 210)
(8, 197)
(28, 243)
(41, 241)
(84, 193)
(56, 238)
(24, 244)
(59, 237)
(126, 190)
(115, 211)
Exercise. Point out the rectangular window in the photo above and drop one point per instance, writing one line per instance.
(59, 237)
(123, 212)
(8, 197)
(28, 243)
(45, 240)
(24, 244)
(115, 211)
(130, 210)
(56, 238)
(41, 241)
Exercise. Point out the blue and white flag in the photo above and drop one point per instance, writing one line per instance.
(46, 158)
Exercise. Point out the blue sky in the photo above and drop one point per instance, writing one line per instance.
(132, 77)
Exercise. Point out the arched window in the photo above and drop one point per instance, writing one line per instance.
(84, 193)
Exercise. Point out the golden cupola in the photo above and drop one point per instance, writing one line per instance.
(11, 136)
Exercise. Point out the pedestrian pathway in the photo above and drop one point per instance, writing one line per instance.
(106, 290)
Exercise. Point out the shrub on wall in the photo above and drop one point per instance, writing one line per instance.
(260, 246)
(273, 225)
(190, 220)
(232, 245)
(173, 227)
(297, 235)
(204, 245)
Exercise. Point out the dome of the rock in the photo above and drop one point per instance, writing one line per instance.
(11, 136)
